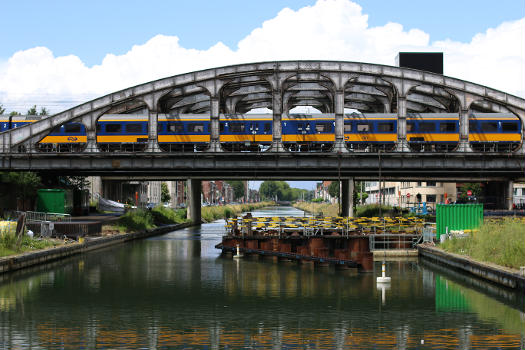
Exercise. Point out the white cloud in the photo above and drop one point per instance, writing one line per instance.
(330, 29)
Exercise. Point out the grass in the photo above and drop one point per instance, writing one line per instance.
(501, 243)
(167, 216)
(9, 246)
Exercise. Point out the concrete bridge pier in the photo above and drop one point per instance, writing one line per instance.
(193, 204)
(347, 197)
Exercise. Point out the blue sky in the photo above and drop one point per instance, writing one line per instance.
(60, 53)
(91, 29)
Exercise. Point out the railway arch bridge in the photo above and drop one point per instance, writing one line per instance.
(331, 87)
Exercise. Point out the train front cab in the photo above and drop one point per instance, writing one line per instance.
(308, 132)
(370, 132)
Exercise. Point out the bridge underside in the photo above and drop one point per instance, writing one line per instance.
(268, 165)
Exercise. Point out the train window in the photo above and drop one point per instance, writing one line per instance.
(221, 127)
(57, 129)
(411, 127)
(195, 127)
(472, 126)
(300, 126)
(72, 127)
(176, 127)
(509, 127)
(113, 127)
(447, 127)
(364, 127)
(427, 127)
(348, 127)
(134, 127)
(236, 127)
(385, 127)
(267, 127)
(323, 127)
(489, 126)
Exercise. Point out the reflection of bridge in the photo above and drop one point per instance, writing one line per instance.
(280, 86)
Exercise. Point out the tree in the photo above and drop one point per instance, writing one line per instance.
(333, 189)
(475, 188)
(164, 193)
(13, 113)
(23, 184)
(238, 188)
(2, 109)
(43, 111)
(32, 111)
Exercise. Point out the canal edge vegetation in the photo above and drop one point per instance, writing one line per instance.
(499, 242)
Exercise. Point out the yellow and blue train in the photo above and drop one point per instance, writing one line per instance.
(300, 132)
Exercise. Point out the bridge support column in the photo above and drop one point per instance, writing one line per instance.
(215, 144)
(347, 197)
(153, 145)
(91, 145)
(339, 145)
(402, 144)
(464, 145)
(510, 195)
(194, 201)
(277, 109)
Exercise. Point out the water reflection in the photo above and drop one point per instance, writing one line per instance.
(174, 291)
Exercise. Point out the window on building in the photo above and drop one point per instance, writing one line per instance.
(427, 127)
(72, 128)
(419, 184)
(134, 128)
(509, 127)
(385, 127)
(113, 127)
(431, 183)
(447, 127)
(431, 198)
(489, 127)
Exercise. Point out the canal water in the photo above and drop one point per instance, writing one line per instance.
(176, 292)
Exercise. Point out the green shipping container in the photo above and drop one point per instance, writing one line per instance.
(458, 217)
(54, 201)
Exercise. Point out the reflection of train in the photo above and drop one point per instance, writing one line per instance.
(300, 132)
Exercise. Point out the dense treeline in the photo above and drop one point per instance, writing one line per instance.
(281, 191)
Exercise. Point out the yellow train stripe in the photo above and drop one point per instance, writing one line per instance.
(432, 119)
(245, 138)
(184, 120)
(64, 139)
(365, 119)
(494, 137)
(434, 137)
(370, 137)
(309, 138)
(183, 138)
(121, 138)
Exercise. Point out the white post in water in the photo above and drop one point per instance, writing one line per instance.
(383, 278)
(238, 255)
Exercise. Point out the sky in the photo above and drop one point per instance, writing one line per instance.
(60, 53)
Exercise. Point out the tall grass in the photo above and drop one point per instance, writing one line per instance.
(213, 213)
(323, 209)
(501, 243)
(9, 244)
(167, 216)
(136, 220)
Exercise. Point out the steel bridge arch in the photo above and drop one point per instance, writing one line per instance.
(395, 82)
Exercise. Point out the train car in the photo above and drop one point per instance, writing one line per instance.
(308, 132)
(69, 137)
(495, 132)
(184, 133)
(122, 132)
(432, 131)
(370, 132)
(245, 132)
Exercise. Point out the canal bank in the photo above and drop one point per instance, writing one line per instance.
(28, 259)
(494, 273)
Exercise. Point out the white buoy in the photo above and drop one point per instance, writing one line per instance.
(383, 278)
(238, 255)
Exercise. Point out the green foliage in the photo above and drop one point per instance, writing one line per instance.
(238, 188)
(136, 220)
(8, 242)
(372, 210)
(317, 200)
(164, 193)
(501, 242)
(32, 111)
(474, 187)
(2, 109)
(13, 113)
(213, 213)
(269, 190)
(333, 189)
(167, 216)
(21, 184)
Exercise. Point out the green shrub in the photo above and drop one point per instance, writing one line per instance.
(166, 216)
(136, 220)
(372, 210)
